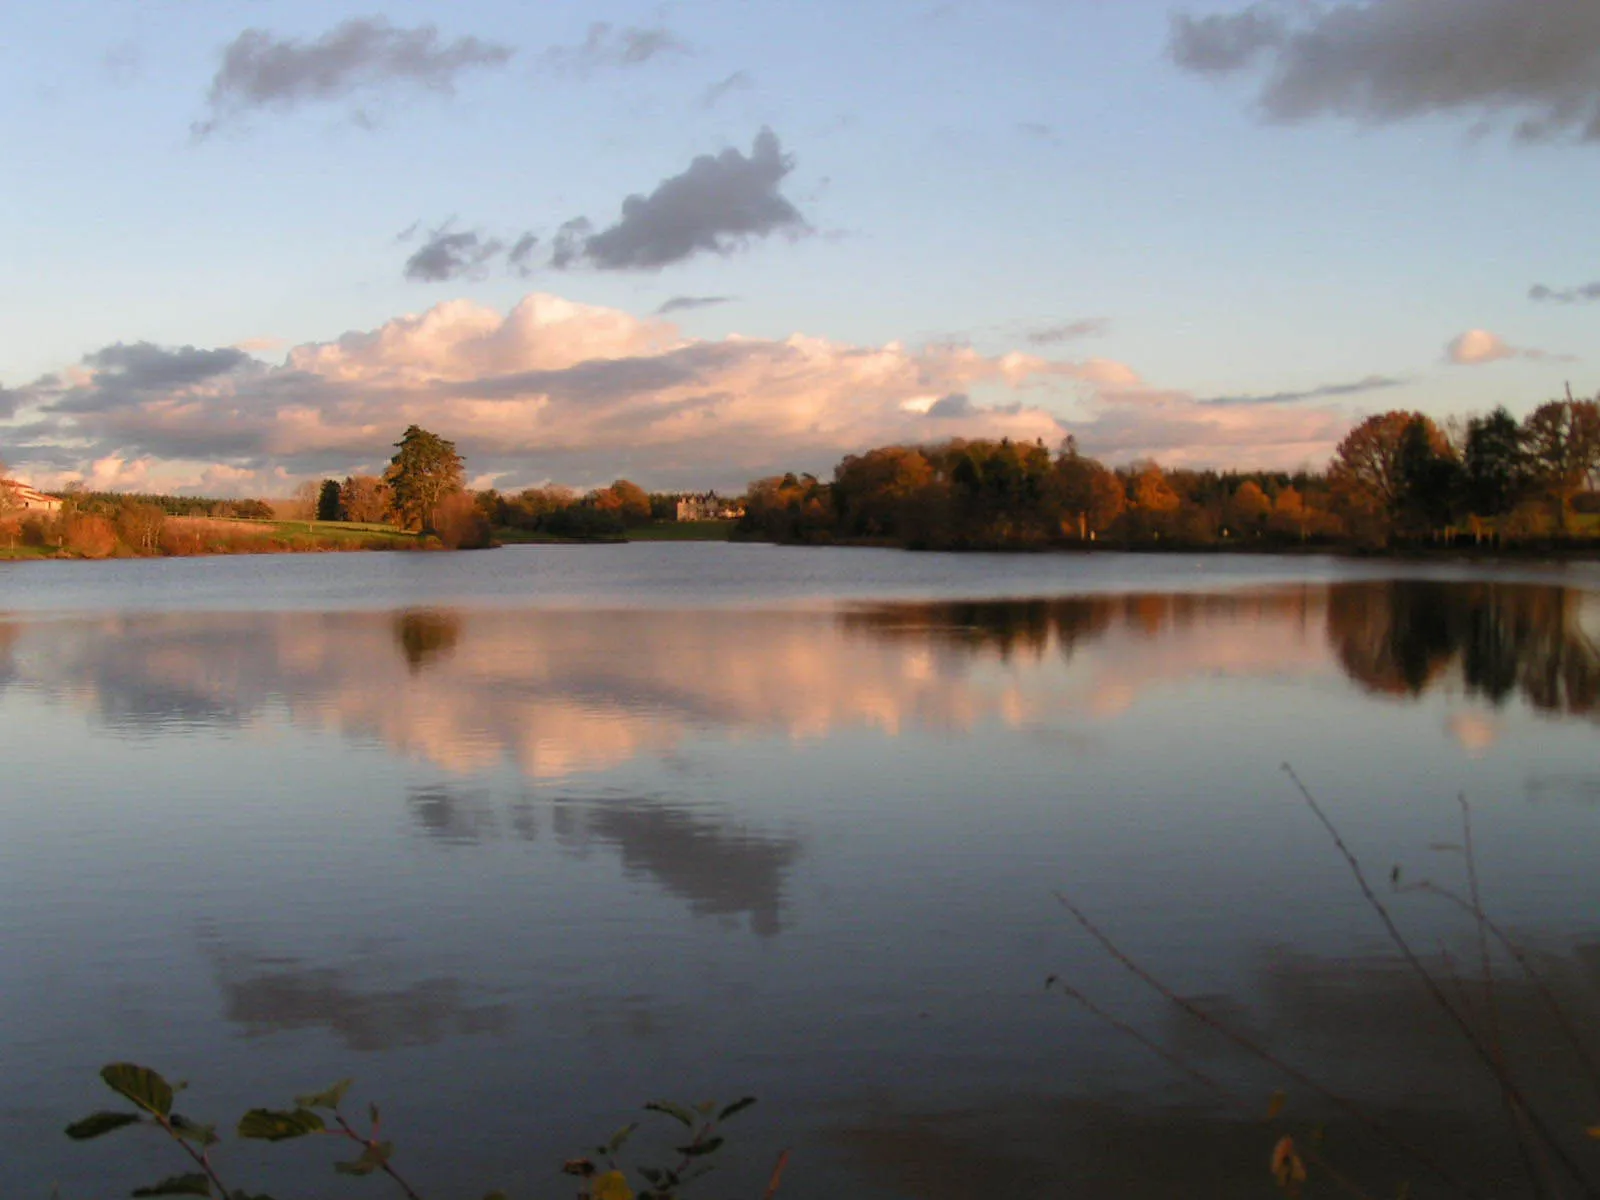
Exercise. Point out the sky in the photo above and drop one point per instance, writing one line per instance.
(694, 243)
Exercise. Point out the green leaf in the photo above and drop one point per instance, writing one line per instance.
(706, 1107)
(738, 1106)
(371, 1159)
(178, 1185)
(248, 1196)
(98, 1123)
(325, 1099)
(619, 1138)
(696, 1149)
(270, 1126)
(676, 1111)
(139, 1084)
(193, 1131)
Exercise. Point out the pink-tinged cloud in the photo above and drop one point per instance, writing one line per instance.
(1479, 347)
(582, 394)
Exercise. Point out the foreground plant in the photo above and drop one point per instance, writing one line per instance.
(320, 1113)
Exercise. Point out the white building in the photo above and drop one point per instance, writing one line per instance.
(29, 499)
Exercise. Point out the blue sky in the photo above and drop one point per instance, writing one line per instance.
(1074, 216)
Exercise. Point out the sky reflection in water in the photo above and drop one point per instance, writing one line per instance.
(539, 865)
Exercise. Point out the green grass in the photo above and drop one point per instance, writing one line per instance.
(21, 552)
(683, 531)
(334, 531)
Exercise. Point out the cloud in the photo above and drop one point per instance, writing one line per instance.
(581, 394)
(739, 81)
(10, 401)
(447, 255)
(1586, 294)
(685, 303)
(1392, 60)
(956, 404)
(364, 54)
(1478, 347)
(1372, 383)
(1052, 335)
(519, 259)
(553, 389)
(718, 205)
(608, 46)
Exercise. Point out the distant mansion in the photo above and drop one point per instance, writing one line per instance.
(28, 498)
(708, 506)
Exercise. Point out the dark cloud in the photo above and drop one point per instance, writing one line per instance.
(607, 46)
(1372, 383)
(956, 404)
(261, 70)
(10, 401)
(684, 303)
(1050, 335)
(716, 206)
(125, 373)
(1389, 60)
(519, 259)
(739, 81)
(447, 255)
(1586, 294)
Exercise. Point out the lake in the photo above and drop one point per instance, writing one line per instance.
(522, 840)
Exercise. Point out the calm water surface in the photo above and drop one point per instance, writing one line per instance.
(523, 839)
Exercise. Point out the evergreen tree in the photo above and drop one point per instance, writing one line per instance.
(424, 470)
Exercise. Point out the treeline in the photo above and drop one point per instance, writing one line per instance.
(175, 506)
(1397, 479)
(601, 514)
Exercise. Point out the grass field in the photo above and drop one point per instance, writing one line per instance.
(683, 531)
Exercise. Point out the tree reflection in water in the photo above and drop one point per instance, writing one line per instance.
(1397, 637)
(1402, 636)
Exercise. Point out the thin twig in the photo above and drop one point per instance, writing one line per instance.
(372, 1144)
(1345, 1105)
(1463, 1026)
(1559, 1014)
(1519, 1122)
(201, 1158)
(1179, 1063)
(777, 1176)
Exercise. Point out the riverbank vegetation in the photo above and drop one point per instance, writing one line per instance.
(1397, 481)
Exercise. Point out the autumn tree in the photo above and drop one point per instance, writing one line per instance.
(328, 501)
(1089, 497)
(629, 501)
(871, 491)
(1249, 507)
(365, 498)
(424, 470)
(1563, 445)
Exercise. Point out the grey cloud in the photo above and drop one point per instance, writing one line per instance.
(447, 255)
(1038, 130)
(685, 303)
(1585, 294)
(1390, 60)
(520, 257)
(124, 373)
(739, 81)
(1225, 42)
(716, 206)
(10, 401)
(261, 70)
(1050, 335)
(602, 382)
(1372, 383)
(607, 46)
(956, 404)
